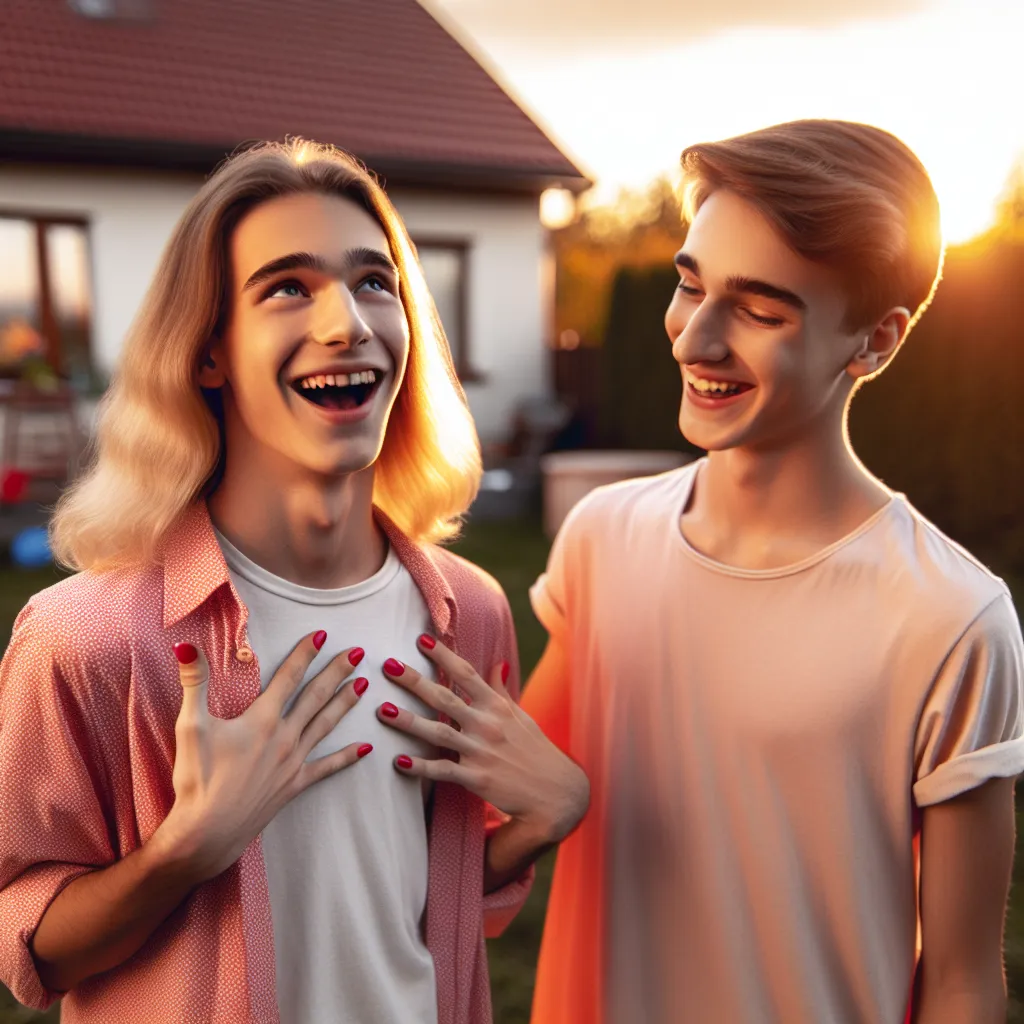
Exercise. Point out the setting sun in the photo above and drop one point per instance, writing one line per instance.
(944, 79)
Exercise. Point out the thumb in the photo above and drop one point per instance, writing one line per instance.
(194, 673)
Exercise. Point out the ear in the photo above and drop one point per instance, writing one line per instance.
(211, 369)
(879, 344)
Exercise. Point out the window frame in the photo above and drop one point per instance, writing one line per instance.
(48, 324)
(465, 369)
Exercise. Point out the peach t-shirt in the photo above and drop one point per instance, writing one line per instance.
(759, 744)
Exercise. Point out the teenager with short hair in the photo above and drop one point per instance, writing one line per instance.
(799, 704)
(204, 814)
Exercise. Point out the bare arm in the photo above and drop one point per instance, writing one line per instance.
(230, 778)
(966, 862)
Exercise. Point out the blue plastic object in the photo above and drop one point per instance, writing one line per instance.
(30, 549)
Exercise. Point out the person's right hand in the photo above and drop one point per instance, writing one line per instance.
(231, 776)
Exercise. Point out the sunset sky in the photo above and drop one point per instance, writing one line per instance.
(624, 85)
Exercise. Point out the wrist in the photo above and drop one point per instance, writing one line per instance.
(174, 856)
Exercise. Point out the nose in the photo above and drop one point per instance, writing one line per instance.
(336, 319)
(697, 334)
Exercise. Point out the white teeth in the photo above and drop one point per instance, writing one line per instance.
(338, 380)
(716, 387)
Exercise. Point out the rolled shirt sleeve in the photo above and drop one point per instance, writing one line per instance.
(972, 726)
(52, 823)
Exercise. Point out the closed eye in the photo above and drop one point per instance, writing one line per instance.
(765, 321)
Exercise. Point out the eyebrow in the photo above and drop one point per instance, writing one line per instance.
(747, 285)
(360, 256)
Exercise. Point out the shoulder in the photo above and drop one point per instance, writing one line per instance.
(614, 511)
(944, 574)
(472, 587)
(86, 621)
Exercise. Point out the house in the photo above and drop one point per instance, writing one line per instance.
(113, 111)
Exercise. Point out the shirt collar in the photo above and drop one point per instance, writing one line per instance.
(194, 567)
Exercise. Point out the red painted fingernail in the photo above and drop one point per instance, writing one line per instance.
(505, 669)
(403, 761)
(360, 686)
(388, 710)
(319, 637)
(393, 668)
(356, 655)
(185, 653)
(364, 749)
(428, 641)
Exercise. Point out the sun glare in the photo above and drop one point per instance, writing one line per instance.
(944, 80)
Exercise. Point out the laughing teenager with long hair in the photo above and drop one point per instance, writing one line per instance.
(205, 814)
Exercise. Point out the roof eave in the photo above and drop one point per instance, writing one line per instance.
(35, 147)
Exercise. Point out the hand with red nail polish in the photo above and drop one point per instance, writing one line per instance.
(504, 757)
(231, 776)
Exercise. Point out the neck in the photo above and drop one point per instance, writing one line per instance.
(312, 530)
(772, 506)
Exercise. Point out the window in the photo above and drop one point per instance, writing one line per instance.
(45, 287)
(445, 266)
(132, 10)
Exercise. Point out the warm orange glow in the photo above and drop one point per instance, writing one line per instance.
(557, 208)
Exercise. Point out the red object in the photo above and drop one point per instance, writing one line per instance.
(319, 637)
(384, 80)
(364, 749)
(360, 686)
(388, 710)
(185, 653)
(393, 667)
(403, 761)
(355, 655)
(428, 641)
(13, 485)
(505, 669)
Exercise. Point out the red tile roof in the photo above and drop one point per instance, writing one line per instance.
(380, 78)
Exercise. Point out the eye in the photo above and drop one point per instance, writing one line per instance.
(286, 290)
(765, 321)
(687, 288)
(375, 283)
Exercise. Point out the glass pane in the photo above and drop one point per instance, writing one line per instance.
(443, 270)
(67, 249)
(19, 294)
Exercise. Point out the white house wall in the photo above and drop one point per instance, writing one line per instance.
(131, 215)
(506, 315)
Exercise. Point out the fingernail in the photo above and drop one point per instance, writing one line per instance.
(505, 669)
(356, 655)
(319, 637)
(403, 761)
(393, 668)
(364, 749)
(388, 710)
(428, 641)
(185, 653)
(360, 686)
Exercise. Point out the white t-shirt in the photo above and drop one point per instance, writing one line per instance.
(347, 859)
(757, 742)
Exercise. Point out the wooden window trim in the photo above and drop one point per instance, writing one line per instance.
(47, 316)
(463, 359)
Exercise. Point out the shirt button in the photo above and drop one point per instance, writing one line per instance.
(244, 654)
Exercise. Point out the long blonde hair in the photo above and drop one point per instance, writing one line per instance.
(158, 442)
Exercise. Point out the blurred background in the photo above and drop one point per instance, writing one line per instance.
(531, 147)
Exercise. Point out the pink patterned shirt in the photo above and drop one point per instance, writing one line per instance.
(89, 695)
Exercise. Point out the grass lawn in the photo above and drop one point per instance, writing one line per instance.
(515, 553)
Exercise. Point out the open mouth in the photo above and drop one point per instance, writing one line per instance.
(715, 389)
(340, 391)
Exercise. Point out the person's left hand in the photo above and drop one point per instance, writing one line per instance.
(503, 756)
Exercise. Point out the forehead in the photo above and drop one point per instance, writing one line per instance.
(730, 237)
(322, 225)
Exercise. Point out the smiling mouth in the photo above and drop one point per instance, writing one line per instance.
(339, 391)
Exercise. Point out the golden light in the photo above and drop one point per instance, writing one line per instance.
(557, 208)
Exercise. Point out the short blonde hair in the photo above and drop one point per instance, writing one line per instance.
(158, 443)
(849, 196)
